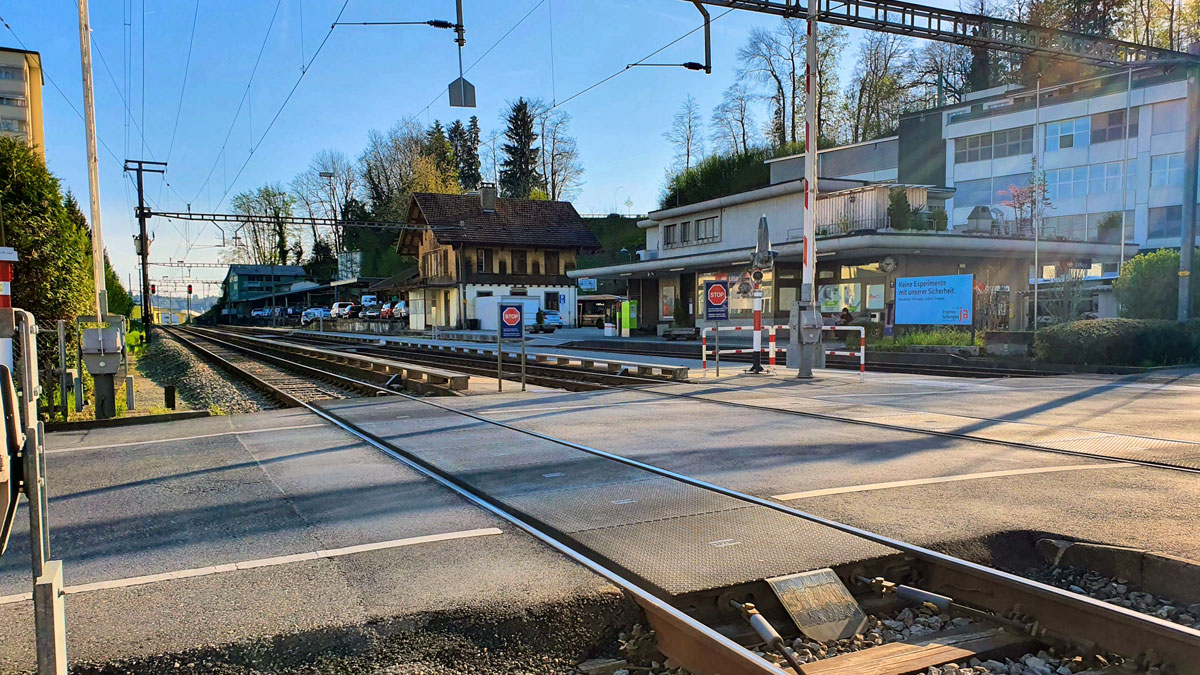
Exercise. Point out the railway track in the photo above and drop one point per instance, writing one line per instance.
(1147, 451)
(288, 383)
(698, 629)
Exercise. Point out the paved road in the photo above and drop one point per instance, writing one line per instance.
(248, 489)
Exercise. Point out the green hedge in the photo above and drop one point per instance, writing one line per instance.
(1119, 342)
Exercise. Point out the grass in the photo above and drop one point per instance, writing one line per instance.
(938, 336)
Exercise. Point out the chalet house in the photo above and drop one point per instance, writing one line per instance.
(478, 245)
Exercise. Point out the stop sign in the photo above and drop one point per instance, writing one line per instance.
(717, 294)
(511, 316)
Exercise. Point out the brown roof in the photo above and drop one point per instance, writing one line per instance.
(460, 219)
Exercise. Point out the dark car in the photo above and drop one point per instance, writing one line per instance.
(354, 311)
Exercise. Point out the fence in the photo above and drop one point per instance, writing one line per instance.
(862, 345)
(771, 347)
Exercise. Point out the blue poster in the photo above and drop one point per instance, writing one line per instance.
(512, 321)
(716, 301)
(939, 301)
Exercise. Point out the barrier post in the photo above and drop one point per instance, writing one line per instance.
(717, 349)
(704, 350)
(771, 345)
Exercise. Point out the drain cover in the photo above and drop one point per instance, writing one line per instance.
(820, 604)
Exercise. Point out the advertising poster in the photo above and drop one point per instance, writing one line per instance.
(937, 301)
(834, 297)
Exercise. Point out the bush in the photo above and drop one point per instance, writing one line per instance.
(1148, 287)
(898, 210)
(952, 337)
(1117, 342)
(874, 328)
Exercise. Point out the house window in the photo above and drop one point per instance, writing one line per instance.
(15, 126)
(685, 233)
(1166, 170)
(535, 267)
(669, 234)
(18, 101)
(483, 261)
(1074, 133)
(1164, 222)
(483, 294)
(11, 73)
(1066, 183)
(552, 266)
(519, 264)
(708, 229)
(551, 300)
(1110, 126)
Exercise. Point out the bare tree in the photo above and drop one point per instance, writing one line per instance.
(687, 134)
(268, 239)
(733, 120)
(559, 158)
(939, 67)
(772, 58)
(386, 167)
(877, 93)
(323, 197)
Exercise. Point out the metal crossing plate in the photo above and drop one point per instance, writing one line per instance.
(820, 604)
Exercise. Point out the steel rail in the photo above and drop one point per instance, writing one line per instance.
(697, 647)
(288, 399)
(1167, 638)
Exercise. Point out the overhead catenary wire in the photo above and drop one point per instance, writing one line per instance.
(282, 105)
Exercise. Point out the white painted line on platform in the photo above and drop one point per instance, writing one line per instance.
(946, 479)
(183, 438)
(261, 562)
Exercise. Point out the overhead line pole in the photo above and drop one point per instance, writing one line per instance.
(93, 161)
(139, 167)
(1191, 159)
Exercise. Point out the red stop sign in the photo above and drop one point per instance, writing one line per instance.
(717, 294)
(511, 316)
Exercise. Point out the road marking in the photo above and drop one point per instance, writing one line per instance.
(261, 562)
(182, 438)
(946, 479)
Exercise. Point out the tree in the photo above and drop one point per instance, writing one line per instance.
(438, 149)
(386, 166)
(119, 300)
(776, 59)
(520, 174)
(265, 242)
(877, 93)
(939, 68)
(559, 158)
(1029, 202)
(898, 211)
(52, 277)
(687, 134)
(464, 142)
(318, 196)
(733, 121)
(1148, 287)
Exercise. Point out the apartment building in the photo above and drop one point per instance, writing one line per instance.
(21, 97)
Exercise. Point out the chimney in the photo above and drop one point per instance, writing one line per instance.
(487, 197)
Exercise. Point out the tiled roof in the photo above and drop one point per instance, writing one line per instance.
(460, 219)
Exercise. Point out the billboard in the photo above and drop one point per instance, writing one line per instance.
(833, 297)
(941, 301)
(716, 301)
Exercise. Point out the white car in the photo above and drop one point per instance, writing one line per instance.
(339, 309)
(314, 313)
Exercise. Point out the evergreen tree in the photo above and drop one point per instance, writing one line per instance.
(438, 148)
(520, 176)
(119, 300)
(464, 141)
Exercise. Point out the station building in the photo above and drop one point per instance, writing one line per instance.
(478, 244)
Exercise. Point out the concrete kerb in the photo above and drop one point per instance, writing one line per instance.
(1163, 575)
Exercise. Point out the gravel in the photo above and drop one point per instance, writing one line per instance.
(1118, 591)
(199, 385)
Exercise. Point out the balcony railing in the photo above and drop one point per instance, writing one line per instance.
(1009, 229)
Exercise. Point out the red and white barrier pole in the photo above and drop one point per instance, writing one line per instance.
(771, 345)
(704, 349)
(8, 256)
(757, 367)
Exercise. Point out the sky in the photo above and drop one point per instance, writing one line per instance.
(361, 78)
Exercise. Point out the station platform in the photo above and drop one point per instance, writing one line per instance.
(274, 536)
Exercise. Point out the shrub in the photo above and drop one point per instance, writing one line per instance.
(939, 219)
(1148, 287)
(874, 328)
(898, 210)
(1116, 342)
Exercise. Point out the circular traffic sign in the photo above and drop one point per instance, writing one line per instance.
(717, 294)
(511, 316)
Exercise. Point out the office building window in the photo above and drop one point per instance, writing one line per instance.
(1066, 183)
(1074, 133)
(1166, 170)
(1070, 228)
(552, 266)
(972, 148)
(973, 192)
(1164, 222)
(669, 235)
(1110, 126)
(519, 265)
(1104, 178)
(1012, 142)
(708, 229)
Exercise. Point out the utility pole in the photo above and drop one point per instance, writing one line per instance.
(1191, 158)
(139, 166)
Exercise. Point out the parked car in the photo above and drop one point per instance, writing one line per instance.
(370, 312)
(551, 320)
(353, 311)
(314, 313)
(339, 309)
(260, 313)
(385, 312)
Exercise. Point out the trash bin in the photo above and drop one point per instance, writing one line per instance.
(610, 330)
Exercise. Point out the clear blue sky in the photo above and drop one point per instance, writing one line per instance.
(364, 78)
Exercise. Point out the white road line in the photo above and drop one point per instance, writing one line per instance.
(182, 438)
(261, 562)
(946, 479)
